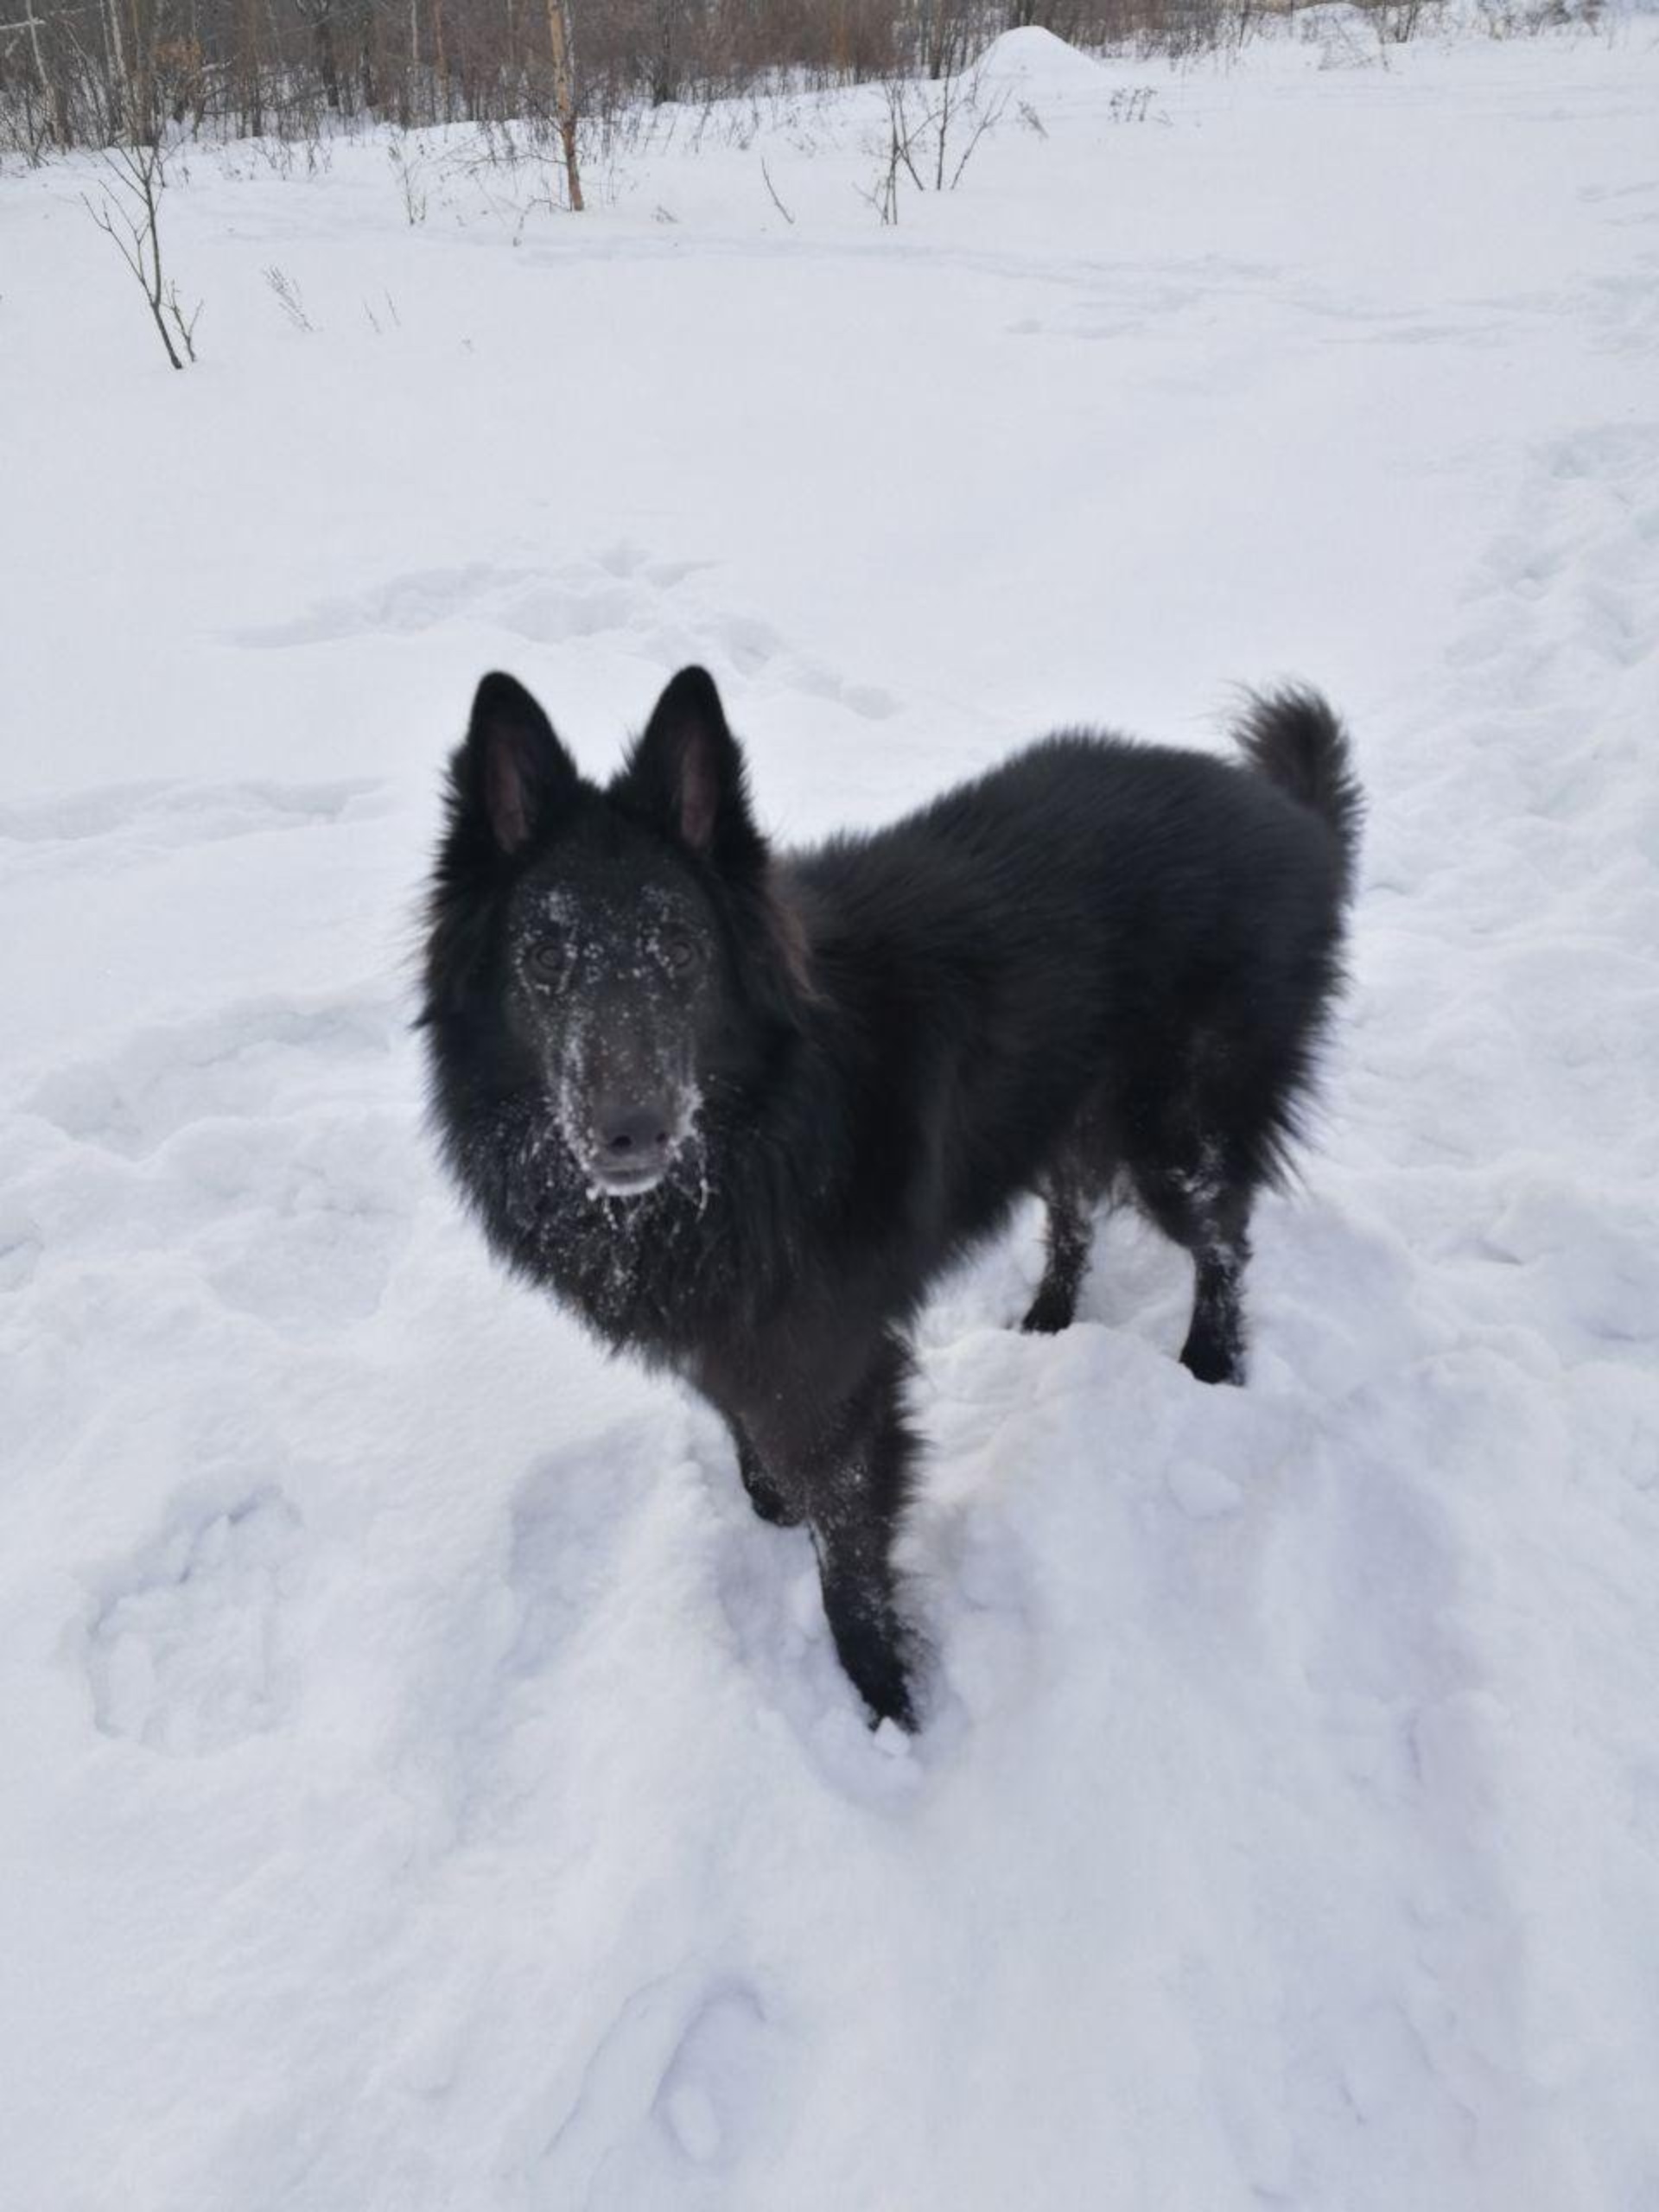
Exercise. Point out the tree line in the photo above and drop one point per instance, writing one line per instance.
(102, 71)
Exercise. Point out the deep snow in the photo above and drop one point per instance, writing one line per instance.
(426, 1784)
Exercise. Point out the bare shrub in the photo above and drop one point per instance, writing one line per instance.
(933, 129)
(288, 296)
(128, 212)
(409, 167)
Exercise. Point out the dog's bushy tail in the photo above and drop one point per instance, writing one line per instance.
(1296, 740)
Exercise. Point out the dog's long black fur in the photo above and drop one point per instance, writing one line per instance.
(739, 1110)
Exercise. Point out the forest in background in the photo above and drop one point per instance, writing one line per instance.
(93, 73)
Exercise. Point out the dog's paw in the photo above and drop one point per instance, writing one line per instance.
(770, 1503)
(1050, 1311)
(1211, 1360)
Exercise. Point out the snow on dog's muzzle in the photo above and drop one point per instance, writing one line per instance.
(627, 1142)
(625, 1100)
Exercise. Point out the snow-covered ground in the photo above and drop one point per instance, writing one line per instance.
(425, 1783)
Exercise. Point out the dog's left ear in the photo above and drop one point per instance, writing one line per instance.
(687, 775)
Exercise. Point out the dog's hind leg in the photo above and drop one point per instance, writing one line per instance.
(1206, 1211)
(1068, 1235)
(1214, 1350)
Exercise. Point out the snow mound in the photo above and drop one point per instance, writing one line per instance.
(1038, 61)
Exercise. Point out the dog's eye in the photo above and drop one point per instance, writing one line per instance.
(679, 951)
(546, 960)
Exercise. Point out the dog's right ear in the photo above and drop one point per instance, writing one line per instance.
(518, 774)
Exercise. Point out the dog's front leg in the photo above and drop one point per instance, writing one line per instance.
(850, 1460)
(872, 1641)
(768, 1499)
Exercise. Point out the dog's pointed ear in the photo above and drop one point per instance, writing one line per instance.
(519, 773)
(686, 774)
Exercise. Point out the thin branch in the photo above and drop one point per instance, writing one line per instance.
(773, 189)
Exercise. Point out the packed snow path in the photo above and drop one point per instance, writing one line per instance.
(426, 1784)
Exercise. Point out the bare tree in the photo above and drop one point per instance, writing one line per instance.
(120, 76)
(134, 225)
(320, 15)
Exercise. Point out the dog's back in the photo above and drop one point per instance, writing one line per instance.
(1086, 926)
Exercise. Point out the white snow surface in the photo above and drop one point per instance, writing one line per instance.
(425, 1783)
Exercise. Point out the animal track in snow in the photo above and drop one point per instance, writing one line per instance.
(306, 1221)
(252, 1060)
(707, 2097)
(1550, 898)
(20, 1249)
(403, 605)
(677, 2088)
(1579, 559)
(568, 1530)
(268, 1146)
(195, 812)
(111, 827)
(184, 1654)
(622, 592)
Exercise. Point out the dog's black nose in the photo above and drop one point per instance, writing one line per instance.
(634, 1137)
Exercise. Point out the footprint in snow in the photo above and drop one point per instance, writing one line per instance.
(575, 599)
(706, 2099)
(620, 593)
(132, 821)
(675, 2092)
(403, 606)
(253, 1060)
(184, 1653)
(570, 1520)
(302, 1222)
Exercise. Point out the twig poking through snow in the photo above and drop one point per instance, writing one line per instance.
(773, 189)
(289, 300)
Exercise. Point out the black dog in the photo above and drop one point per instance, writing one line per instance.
(739, 1110)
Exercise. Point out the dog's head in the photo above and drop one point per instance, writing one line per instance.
(612, 945)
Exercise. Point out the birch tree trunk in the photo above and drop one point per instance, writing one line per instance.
(564, 95)
(51, 88)
(120, 89)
